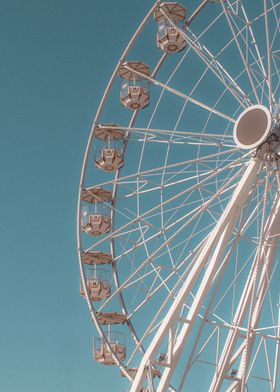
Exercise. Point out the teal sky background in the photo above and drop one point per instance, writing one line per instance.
(56, 59)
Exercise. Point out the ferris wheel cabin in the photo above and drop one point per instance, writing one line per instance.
(135, 93)
(111, 157)
(94, 221)
(103, 354)
(97, 284)
(169, 16)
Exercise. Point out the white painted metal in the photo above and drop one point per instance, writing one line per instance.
(162, 253)
(180, 94)
(264, 258)
(216, 243)
(252, 127)
(81, 187)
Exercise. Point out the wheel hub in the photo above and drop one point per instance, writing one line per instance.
(252, 127)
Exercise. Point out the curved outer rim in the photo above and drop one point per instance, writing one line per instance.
(81, 187)
(266, 133)
(85, 162)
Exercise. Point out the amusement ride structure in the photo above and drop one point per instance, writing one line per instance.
(179, 202)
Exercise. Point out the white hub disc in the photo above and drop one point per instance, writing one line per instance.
(252, 127)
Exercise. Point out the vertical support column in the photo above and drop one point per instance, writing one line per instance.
(266, 260)
(214, 247)
(275, 373)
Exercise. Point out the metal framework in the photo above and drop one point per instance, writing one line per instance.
(178, 213)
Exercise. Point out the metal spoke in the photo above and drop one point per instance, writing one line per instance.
(182, 95)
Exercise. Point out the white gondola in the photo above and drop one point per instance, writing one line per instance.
(97, 283)
(94, 221)
(135, 93)
(102, 353)
(110, 158)
(169, 16)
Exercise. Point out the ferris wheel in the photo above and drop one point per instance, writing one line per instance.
(179, 204)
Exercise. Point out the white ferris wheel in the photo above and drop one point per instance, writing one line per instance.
(179, 203)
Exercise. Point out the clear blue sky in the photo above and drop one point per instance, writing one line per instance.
(56, 59)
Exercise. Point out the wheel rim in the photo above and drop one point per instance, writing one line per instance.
(146, 216)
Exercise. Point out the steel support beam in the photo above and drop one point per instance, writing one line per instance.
(212, 253)
(267, 256)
